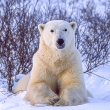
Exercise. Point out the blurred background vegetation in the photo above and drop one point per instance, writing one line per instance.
(19, 35)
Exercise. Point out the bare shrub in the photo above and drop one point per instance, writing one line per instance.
(19, 36)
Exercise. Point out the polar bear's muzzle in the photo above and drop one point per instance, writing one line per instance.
(60, 43)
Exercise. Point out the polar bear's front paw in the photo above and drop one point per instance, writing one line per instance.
(62, 102)
(49, 100)
(73, 100)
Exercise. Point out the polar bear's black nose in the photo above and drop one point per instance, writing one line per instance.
(60, 41)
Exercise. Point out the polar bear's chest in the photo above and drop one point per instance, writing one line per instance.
(59, 66)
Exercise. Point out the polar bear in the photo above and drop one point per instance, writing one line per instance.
(56, 77)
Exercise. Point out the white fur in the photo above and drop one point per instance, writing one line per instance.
(22, 84)
(56, 76)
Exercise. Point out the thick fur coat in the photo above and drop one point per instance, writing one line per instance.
(56, 77)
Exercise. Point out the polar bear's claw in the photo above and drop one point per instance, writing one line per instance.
(62, 102)
(54, 99)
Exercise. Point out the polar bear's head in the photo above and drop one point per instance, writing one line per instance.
(58, 34)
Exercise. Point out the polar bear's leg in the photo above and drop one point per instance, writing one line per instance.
(40, 93)
(71, 97)
(73, 91)
(22, 84)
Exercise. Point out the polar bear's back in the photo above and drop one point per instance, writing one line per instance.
(22, 84)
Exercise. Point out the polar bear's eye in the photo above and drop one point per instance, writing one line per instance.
(65, 29)
(51, 30)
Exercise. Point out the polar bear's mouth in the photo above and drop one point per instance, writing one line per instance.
(60, 43)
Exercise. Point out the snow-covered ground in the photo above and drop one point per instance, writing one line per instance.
(99, 87)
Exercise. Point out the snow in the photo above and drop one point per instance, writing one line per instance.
(99, 87)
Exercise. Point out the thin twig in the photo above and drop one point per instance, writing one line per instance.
(99, 76)
(10, 94)
(96, 74)
(96, 66)
(21, 7)
(19, 91)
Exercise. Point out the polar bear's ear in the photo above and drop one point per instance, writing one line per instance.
(41, 28)
(73, 25)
